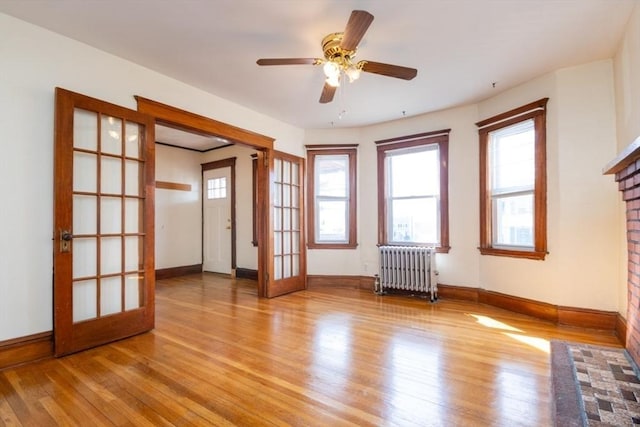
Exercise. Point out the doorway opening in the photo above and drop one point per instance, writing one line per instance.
(172, 117)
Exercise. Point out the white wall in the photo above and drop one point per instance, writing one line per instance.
(463, 195)
(33, 62)
(580, 269)
(178, 213)
(581, 207)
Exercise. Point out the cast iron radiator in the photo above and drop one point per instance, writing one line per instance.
(407, 268)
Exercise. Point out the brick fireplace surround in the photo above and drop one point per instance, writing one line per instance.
(626, 168)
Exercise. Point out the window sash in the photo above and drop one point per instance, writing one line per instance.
(330, 188)
(423, 142)
(433, 213)
(328, 183)
(341, 229)
(503, 234)
(394, 236)
(512, 154)
(332, 183)
(528, 241)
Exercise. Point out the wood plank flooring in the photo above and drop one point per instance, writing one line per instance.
(322, 357)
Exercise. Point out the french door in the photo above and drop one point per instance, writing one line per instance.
(288, 271)
(103, 222)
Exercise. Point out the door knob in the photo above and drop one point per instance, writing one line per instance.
(65, 240)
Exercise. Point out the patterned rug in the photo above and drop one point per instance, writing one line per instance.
(593, 386)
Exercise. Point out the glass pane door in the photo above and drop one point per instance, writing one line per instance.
(286, 214)
(103, 279)
(108, 239)
(289, 262)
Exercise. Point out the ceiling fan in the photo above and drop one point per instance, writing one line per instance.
(339, 53)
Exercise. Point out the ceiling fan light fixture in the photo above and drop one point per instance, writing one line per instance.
(334, 81)
(352, 72)
(331, 70)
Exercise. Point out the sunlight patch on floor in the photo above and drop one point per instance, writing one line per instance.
(492, 323)
(538, 343)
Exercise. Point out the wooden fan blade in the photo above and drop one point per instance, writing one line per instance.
(358, 24)
(288, 61)
(389, 70)
(328, 92)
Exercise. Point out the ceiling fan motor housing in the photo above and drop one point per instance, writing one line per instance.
(333, 51)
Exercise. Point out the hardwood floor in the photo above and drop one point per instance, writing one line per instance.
(321, 357)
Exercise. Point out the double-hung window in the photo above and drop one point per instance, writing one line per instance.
(513, 183)
(413, 190)
(331, 205)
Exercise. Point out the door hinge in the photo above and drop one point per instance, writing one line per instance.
(266, 160)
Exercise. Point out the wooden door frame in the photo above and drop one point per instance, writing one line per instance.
(169, 115)
(221, 164)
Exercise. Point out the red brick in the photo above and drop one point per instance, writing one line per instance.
(633, 236)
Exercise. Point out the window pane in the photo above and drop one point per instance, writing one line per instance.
(110, 255)
(110, 215)
(85, 130)
(85, 170)
(331, 175)
(414, 173)
(513, 220)
(414, 220)
(110, 295)
(217, 188)
(133, 284)
(133, 141)
(134, 178)
(111, 133)
(331, 221)
(512, 157)
(85, 254)
(84, 300)
(85, 214)
(111, 175)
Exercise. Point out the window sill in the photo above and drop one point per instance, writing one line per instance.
(332, 245)
(537, 255)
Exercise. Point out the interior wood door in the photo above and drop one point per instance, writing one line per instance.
(104, 277)
(289, 271)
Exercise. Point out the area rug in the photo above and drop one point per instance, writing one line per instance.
(593, 386)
